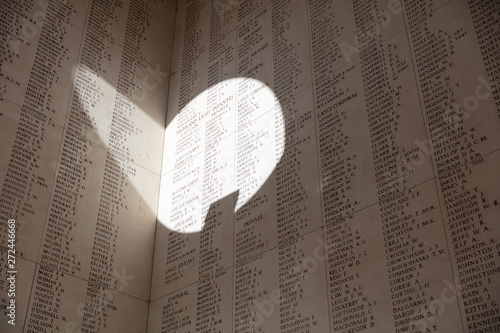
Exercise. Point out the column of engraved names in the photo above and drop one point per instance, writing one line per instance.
(252, 234)
(407, 248)
(248, 240)
(214, 293)
(245, 8)
(222, 15)
(24, 184)
(191, 49)
(212, 275)
(47, 294)
(175, 314)
(187, 145)
(49, 288)
(456, 151)
(36, 122)
(291, 276)
(247, 141)
(72, 177)
(117, 167)
(74, 165)
(486, 17)
(337, 163)
(293, 125)
(186, 180)
(244, 293)
(13, 35)
(288, 122)
(348, 303)
(184, 205)
(249, 288)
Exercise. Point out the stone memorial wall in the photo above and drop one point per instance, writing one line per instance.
(331, 166)
(290, 166)
(82, 108)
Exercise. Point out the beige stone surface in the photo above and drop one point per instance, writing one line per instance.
(358, 148)
(268, 166)
(171, 313)
(71, 308)
(87, 170)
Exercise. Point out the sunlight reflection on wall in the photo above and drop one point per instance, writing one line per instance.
(119, 130)
(211, 152)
